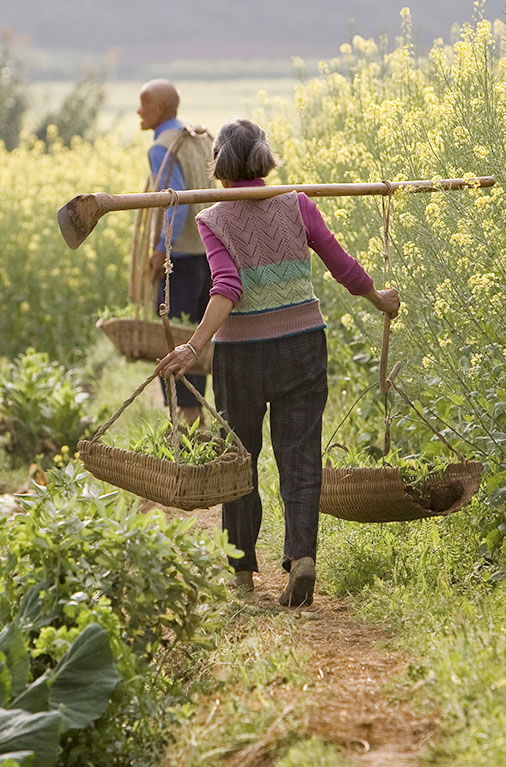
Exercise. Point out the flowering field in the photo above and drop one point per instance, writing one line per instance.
(50, 293)
(373, 115)
(438, 583)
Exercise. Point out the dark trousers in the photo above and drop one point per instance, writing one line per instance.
(189, 287)
(291, 374)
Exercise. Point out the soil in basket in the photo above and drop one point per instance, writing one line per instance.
(438, 498)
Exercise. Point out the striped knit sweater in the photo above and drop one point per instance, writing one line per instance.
(267, 241)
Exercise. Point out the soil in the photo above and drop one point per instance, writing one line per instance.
(439, 497)
(348, 702)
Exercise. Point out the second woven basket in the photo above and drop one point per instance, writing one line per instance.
(380, 495)
(145, 340)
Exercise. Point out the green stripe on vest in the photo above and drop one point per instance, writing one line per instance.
(275, 285)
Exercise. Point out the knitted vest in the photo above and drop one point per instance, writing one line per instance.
(193, 153)
(267, 241)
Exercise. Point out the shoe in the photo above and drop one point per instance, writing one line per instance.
(300, 587)
(244, 581)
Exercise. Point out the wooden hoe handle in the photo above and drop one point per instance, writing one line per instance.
(80, 216)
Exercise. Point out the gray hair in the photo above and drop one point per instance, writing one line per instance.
(241, 152)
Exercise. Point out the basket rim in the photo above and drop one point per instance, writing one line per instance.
(472, 466)
(232, 457)
(174, 322)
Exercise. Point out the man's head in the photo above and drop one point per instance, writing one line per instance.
(159, 100)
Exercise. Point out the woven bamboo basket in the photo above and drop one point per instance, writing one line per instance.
(182, 486)
(172, 483)
(380, 495)
(145, 340)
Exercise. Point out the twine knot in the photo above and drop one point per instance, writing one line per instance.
(389, 185)
(172, 197)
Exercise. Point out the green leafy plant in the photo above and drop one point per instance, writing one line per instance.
(196, 446)
(130, 311)
(41, 406)
(71, 695)
(79, 556)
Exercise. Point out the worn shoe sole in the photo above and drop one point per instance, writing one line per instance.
(300, 588)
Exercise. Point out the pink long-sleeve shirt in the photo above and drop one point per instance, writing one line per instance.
(344, 268)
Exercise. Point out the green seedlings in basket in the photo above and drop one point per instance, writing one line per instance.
(339, 456)
(415, 469)
(131, 312)
(196, 447)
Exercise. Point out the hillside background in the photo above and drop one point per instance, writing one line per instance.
(59, 38)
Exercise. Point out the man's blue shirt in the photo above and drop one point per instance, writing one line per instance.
(176, 180)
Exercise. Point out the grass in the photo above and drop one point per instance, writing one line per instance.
(426, 582)
(423, 580)
(241, 688)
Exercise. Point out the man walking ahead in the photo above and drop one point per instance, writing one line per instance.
(178, 158)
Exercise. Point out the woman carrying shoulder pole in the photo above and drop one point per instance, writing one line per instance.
(270, 344)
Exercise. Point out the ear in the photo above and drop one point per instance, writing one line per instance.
(160, 113)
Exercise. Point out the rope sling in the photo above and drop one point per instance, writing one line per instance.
(379, 494)
(172, 483)
(352, 493)
(141, 338)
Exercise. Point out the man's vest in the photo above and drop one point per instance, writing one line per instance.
(267, 241)
(191, 147)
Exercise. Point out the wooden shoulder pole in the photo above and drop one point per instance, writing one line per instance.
(80, 216)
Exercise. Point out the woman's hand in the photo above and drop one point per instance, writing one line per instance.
(176, 362)
(387, 300)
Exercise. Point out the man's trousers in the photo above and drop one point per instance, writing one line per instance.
(189, 287)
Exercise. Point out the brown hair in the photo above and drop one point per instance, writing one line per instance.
(241, 152)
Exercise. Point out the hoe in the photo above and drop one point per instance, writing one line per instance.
(80, 216)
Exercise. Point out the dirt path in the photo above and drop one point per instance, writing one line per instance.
(346, 702)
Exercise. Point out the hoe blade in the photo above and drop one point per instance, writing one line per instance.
(78, 218)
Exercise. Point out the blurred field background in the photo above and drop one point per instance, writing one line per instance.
(209, 102)
(369, 112)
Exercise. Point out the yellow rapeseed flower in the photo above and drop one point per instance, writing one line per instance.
(480, 151)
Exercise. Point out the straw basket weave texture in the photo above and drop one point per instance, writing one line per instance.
(379, 495)
(183, 486)
(145, 340)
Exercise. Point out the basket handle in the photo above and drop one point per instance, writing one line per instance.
(426, 422)
(101, 431)
(123, 407)
(385, 211)
(383, 383)
(218, 416)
